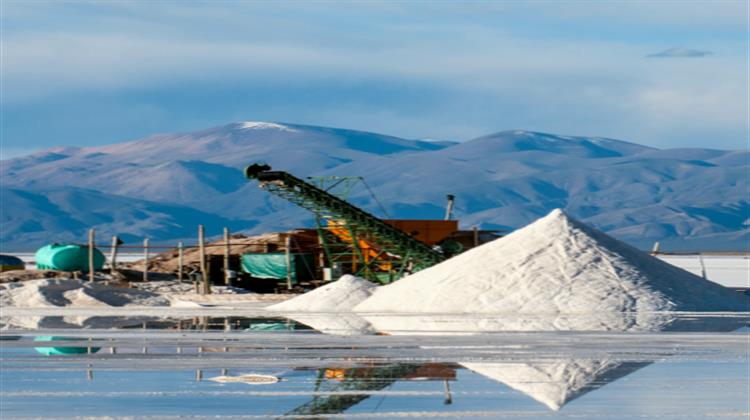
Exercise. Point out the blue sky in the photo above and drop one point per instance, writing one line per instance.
(665, 74)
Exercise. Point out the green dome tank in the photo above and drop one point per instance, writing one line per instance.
(67, 257)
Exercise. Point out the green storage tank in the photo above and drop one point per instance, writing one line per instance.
(68, 257)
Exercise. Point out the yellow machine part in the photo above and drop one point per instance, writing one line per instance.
(430, 232)
(338, 374)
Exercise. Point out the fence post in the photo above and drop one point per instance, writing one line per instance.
(288, 255)
(92, 237)
(206, 290)
(113, 255)
(227, 251)
(145, 260)
(476, 236)
(179, 261)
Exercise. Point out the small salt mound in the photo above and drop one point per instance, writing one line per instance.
(47, 293)
(341, 295)
(556, 265)
(325, 308)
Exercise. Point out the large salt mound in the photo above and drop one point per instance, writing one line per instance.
(555, 266)
(47, 293)
(327, 308)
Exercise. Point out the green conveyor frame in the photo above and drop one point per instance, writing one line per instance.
(414, 254)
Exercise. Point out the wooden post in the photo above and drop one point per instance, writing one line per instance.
(206, 290)
(322, 256)
(92, 236)
(288, 255)
(145, 260)
(476, 236)
(227, 251)
(113, 255)
(180, 260)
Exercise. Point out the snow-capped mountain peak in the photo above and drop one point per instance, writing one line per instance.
(259, 125)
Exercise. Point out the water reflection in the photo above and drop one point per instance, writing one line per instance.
(344, 372)
(196, 323)
(344, 388)
(61, 350)
(558, 382)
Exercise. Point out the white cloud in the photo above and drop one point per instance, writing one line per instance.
(602, 87)
(681, 53)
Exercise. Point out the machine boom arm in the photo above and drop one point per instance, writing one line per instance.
(389, 239)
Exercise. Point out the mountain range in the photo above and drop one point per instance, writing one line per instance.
(164, 185)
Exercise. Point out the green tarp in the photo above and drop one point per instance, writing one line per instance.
(273, 266)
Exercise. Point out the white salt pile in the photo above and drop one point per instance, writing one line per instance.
(325, 308)
(557, 269)
(45, 293)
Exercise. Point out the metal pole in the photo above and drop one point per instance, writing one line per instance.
(179, 261)
(145, 260)
(449, 207)
(288, 255)
(113, 255)
(92, 236)
(227, 251)
(206, 290)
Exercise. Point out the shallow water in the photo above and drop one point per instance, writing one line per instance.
(163, 368)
